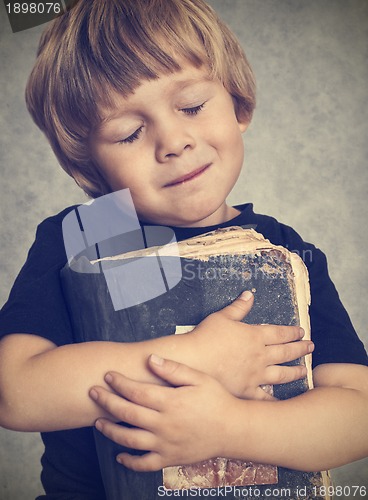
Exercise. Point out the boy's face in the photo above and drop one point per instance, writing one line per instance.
(177, 145)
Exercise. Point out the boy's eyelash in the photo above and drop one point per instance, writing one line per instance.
(188, 111)
(132, 137)
(194, 110)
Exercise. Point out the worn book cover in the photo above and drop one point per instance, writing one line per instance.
(214, 269)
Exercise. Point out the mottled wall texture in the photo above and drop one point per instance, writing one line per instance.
(305, 161)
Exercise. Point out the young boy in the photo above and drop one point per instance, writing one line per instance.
(154, 96)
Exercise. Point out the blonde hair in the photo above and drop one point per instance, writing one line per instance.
(103, 46)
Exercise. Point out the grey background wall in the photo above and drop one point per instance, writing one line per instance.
(305, 163)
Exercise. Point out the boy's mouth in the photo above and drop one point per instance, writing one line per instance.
(188, 177)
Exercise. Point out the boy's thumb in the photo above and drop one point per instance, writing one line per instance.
(174, 373)
(238, 309)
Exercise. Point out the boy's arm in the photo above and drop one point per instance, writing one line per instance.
(198, 419)
(44, 387)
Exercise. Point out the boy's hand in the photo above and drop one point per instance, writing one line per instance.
(243, 357)
(175, 425)
(199, 419)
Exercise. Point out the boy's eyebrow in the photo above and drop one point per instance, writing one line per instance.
(176, 86)
(187, 82)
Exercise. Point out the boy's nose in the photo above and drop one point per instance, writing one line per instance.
(172, 140)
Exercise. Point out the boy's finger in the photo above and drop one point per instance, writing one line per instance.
(175, 373)
(144, 463)
(142, 393)
(283, 353)
(278, 334)
(284, 374)
(135, 439)
(123, 410)
(238, 309)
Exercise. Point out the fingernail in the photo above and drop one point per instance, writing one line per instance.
(311, 347)
(119, 460)
(246, 296)
(98, 425)
(157, 360)
(108, 378)
(301, 332)
(93, 394)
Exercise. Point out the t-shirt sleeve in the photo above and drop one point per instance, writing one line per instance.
(333, 334)
(36, 304)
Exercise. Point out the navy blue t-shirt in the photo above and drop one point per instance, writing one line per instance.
(36, 305)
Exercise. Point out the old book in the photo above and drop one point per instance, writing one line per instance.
(215, 269)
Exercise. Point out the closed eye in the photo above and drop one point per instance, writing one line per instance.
(194, 110)
(132, 137)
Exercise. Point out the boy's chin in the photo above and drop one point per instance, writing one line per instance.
(200, 218)
(177, 221)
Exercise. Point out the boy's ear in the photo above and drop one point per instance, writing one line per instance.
(243, 125)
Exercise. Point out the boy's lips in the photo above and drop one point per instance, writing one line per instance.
(192, 175)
